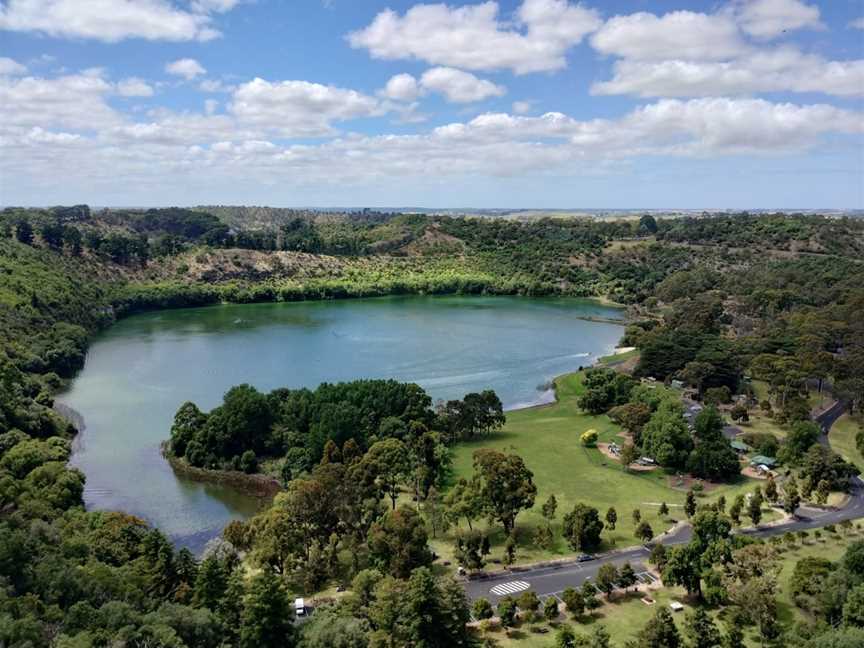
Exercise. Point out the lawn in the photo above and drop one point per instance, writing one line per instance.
(626, 615)
(547, 438)
(842, 439)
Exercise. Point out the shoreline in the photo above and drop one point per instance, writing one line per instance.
(257, 485)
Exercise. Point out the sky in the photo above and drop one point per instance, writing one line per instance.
(511, 103)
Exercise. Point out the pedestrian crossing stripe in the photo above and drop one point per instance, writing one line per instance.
(509, 588)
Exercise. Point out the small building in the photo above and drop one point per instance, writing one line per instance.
(677, 384)
(740, 447)
(675, 606)
(761, 460)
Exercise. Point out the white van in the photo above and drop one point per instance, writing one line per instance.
(299, 607)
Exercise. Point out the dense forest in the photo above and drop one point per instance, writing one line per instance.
(715, 302)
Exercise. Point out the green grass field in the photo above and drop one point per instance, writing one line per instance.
(842, 439)
(547, 438)
(626, 614)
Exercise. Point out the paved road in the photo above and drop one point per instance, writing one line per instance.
(827, 418)
(552, 580)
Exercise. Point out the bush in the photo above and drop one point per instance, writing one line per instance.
(589, 438)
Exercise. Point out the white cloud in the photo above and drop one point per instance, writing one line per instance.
(687, 54)
(214, 85)
(521, 107)
(858, 23)
(218, 6)
(458, 86)
(10, 67)
(187, 68)
(473, 37)
(134, 87)
(210, 106)
(179, 152)
(107, 20)
(770, 18)
(75, 101)
(784, 69)
(678, 35)
(401, 87)
(299, 108)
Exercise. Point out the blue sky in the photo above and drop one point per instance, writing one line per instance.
(532, 103)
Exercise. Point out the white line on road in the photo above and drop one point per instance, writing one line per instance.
(509, 588)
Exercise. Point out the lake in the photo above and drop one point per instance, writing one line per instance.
(139, 371)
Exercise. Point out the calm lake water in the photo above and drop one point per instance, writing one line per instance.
(142, 369)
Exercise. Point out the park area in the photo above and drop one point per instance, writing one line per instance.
(548, 440)
(626, 613)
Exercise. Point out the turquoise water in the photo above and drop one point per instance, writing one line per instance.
(140, 370)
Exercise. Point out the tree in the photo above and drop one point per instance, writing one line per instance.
(510, 549)
(574, 601)
(701, 630)
(736, 509)
(387, 461)
(647, 225)
(549, 508)
(632, 417)
(611, 517)
(398, 542)
(754, 508)
(791, 498)
(507, 611)
(506, 485)
(529, 603)
(853, 608)
(799, 440)
(823, 490)
(627, 576)
(712, 457)
(690, 504)
(660, 631)
(482, 609)
(211, 582)
(582, 527)
(644, 532)
(658, 556)
(566, 638)
(599, 638)
(267, 618)
(636, 515)
(471, 548)
(24, 232)
(589, 595)
(771, 489)
(664, 509)
(543, 536)
(550, 609)
(666, 438)
(465, 500)
(330, 628)
(684, 567)
(695, 373)
(628, 455)
(607, 578)
(740, 413)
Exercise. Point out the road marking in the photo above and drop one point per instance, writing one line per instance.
(509, 588)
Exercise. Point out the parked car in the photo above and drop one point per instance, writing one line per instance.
(584, 557)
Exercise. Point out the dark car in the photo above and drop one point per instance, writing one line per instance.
(584, 557)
